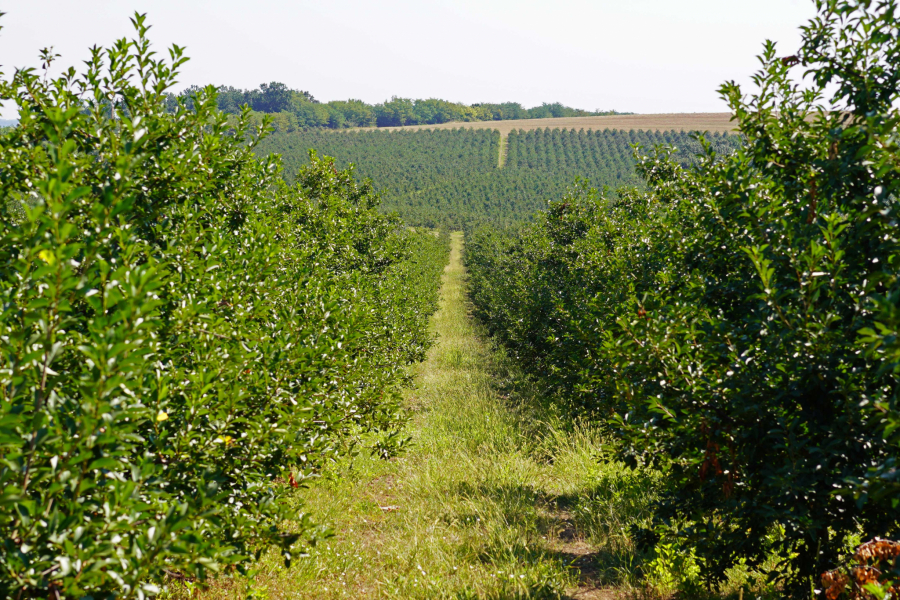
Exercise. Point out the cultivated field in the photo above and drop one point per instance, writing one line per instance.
(711, 122)
(448, 177)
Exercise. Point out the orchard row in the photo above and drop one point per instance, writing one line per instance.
(184, 336)
(735, 324)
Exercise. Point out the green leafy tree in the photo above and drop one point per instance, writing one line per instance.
(183, 333)
(394, 113)
(271, 98)
(738, 319)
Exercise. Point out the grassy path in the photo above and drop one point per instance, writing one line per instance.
(501, 159)
(494, 499)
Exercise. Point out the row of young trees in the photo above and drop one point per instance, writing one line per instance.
(184, 336)
(291, 110)
(399, 163)
(736, 324)
(593, 152)
(451, 178)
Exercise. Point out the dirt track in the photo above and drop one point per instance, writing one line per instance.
(662, 122)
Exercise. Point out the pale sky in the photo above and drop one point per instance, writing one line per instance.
(644, 56)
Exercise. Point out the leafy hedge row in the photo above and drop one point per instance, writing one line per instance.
(737, 325)
(183, 335)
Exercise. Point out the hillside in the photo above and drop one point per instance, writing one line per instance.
(452, 176)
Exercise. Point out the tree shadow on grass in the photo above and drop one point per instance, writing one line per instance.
(543, 530)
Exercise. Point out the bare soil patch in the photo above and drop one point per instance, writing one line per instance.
(581, 555)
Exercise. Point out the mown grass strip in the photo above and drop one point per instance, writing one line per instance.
(496, 498)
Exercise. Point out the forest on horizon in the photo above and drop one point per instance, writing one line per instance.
(292, 109)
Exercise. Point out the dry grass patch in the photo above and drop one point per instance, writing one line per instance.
(711, 122)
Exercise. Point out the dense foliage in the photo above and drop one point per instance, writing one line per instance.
(452, 178)
(294, 109)
(183, 335)
(737, 322)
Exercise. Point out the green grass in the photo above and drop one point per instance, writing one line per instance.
(498, 497)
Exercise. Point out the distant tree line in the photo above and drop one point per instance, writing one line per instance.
(291, 109)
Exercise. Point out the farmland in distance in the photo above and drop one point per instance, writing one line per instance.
(711, 122)
(456, 177)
